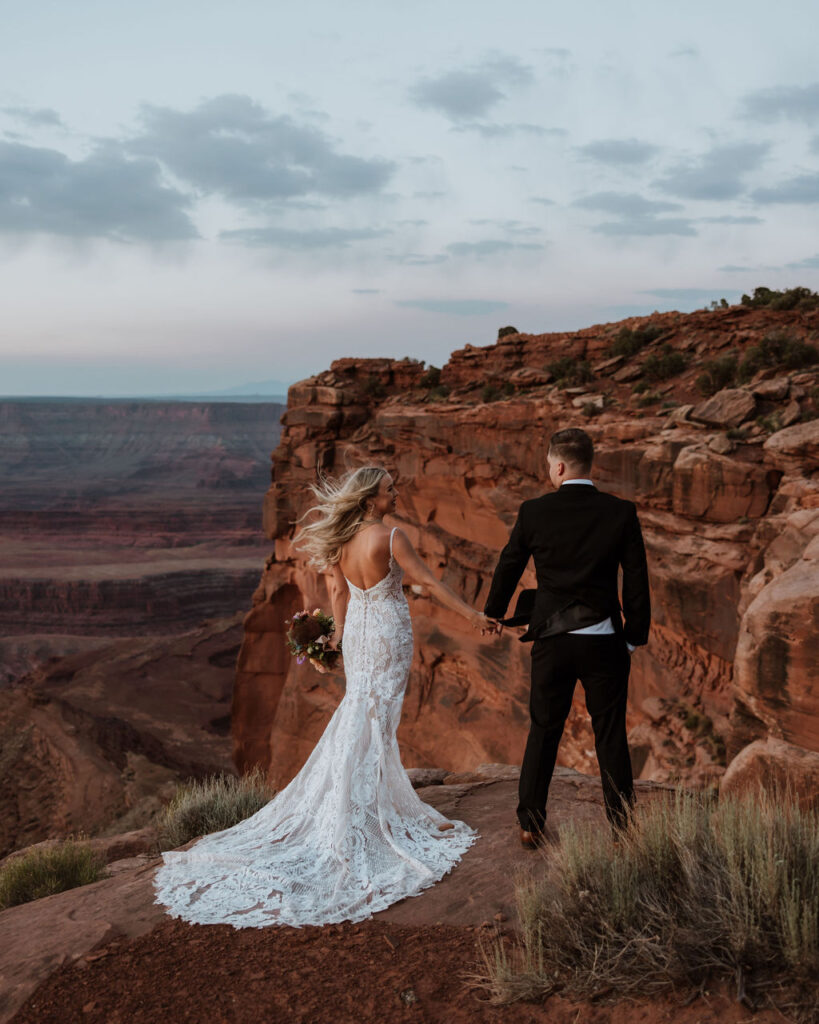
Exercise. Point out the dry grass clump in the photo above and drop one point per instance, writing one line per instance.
(694, 893)
(44, 872)
(202, 806)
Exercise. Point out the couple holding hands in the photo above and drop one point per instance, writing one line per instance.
(349, 836)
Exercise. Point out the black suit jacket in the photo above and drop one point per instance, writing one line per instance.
(578, 537)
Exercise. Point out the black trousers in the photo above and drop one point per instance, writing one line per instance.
(602, 663)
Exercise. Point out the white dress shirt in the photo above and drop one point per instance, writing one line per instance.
(605, 627)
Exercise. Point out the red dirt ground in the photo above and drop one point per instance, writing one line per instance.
(343, 974)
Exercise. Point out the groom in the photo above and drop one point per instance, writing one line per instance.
(578, 537)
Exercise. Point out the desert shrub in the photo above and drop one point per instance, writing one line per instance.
(569, 371)
(629, 342)
(717, 374)
(490, 392)
(590, 409)
(640, 387)
(648, 398)
(736, 434)
(770, 423)
(432, 378)
(202, 806)
(692, 892)
(778, 350)
(437, 394)
(719, 304)
(664, 364)
(508, 388)
(44, 872)
(503, 331)
(374, 387)
(789, 298)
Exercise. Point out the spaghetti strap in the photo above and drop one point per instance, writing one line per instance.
(392, 534)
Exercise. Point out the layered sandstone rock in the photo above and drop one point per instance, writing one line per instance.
(98, 741)
(716, 508)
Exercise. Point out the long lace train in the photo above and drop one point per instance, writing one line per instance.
(348, 836)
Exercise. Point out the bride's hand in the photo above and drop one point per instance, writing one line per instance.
(484, 624)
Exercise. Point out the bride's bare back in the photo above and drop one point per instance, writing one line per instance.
(365, 560)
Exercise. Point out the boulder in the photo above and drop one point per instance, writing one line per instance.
(777, 768)
(774, 390)
(795, 448)
(727, 408)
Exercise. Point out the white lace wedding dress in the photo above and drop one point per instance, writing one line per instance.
(348, 836)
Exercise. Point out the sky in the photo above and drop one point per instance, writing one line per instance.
(195, 195)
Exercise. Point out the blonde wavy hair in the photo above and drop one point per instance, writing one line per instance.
(341, 508)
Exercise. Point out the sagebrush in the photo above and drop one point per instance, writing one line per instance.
(694, 891)
(202, 806)
(44, 872)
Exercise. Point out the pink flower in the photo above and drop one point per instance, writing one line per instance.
(317, 611)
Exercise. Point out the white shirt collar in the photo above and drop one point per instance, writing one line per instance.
(589, 482)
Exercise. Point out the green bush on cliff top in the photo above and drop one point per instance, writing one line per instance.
(692, 893)
(44, 872)
(202, 806)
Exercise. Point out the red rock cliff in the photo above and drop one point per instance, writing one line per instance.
(728, 495)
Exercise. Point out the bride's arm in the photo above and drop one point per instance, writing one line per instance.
(339, 596)
(415, 567)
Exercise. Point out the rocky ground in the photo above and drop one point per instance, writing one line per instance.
(107, 953)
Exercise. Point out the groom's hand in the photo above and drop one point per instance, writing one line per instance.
(494, 627)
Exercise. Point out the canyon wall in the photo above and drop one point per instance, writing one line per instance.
(130, 533)
(728, 495)
(126, 518)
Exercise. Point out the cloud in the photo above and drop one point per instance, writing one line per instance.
(489, 247)
(619, 151)
(493, 131)
(417, 259)
(455, 307)
(366, 291)
(684, 295)
(42, 117)
(731, 268)
(232, 146)
(465, 94)
(105, 195)
(782, 102)
(814, 144)
(717, 174)
(647, 226)
(317, 238)
(514, 227)
(542, 200)
(809, 263)
(685, 51)
(804, 188)
(730, 219)
(638, 215)
(626, 204)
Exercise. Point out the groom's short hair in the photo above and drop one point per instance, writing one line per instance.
(573, 446)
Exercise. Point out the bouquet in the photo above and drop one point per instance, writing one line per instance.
(309, 637)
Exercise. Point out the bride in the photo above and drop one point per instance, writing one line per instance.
(348, 836)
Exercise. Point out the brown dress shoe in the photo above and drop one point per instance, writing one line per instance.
(530, 840)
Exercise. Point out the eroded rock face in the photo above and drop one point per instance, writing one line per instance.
(713, 510)
(98, 741)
